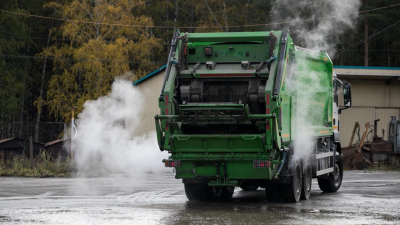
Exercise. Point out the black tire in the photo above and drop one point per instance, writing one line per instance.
(292, 192)
(223, 193)
(198, 192)
(307, 180)
(272, 192)
(245, 186)
(333, 183)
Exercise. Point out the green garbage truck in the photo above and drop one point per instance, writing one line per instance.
(250, 110)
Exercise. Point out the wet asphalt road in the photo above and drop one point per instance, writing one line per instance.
(364, 198)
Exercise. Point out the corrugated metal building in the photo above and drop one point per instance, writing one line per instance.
(375, 95)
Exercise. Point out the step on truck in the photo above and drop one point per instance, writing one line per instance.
(250, 110)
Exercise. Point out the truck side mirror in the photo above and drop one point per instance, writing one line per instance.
(347, 95)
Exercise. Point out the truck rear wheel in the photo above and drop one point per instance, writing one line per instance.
(272, 192)
(334, 181)
(292, 192)
(198, 192)
(307, 180)
(223, 193)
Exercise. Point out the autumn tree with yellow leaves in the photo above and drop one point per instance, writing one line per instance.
(57, 55)
(105, 40)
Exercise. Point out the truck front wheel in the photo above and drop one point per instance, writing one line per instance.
(334, 181)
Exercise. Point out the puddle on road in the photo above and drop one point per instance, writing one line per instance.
(236, 211)
(170, 206)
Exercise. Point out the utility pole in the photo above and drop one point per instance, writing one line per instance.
(31, 151)
(72, 130)
(366, 37)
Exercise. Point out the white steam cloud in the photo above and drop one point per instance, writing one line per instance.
(311, 93)
(326, 21)
(104, 144)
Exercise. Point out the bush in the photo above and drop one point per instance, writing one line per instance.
(44, 166)
(393, 165)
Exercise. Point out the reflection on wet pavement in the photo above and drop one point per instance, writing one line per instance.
(365, 198)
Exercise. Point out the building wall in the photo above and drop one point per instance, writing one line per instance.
(150, 90)
(371, 99)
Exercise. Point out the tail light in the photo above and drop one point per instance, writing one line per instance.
(261, 164)
(172, 163)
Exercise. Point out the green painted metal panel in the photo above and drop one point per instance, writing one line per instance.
(235, 170)
(218, 143)
(230, 36)
(312, 94)
(227, 156)
(222, 53)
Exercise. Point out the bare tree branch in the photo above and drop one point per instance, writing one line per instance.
(215, 19)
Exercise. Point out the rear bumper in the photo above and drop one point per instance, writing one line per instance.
(228, 170)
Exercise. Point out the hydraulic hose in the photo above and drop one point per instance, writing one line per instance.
(281, 166)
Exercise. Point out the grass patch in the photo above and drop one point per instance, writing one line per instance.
(44, 166)
(394, 165)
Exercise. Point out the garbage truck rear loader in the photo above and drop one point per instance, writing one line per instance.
(250, 109)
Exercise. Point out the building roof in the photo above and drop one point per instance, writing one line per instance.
(53, 142)
(18, 144)
(367, 72)
(18, 139)
(5, 140)
(367, 67)
(347, 71)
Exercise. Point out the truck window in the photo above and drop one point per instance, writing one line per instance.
(335, 96)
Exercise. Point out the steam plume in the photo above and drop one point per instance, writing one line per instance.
(104, 144)
(328, 19)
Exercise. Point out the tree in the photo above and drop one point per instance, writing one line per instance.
(375, 42)
(13, 67)
(369, 19)
(106, 41)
